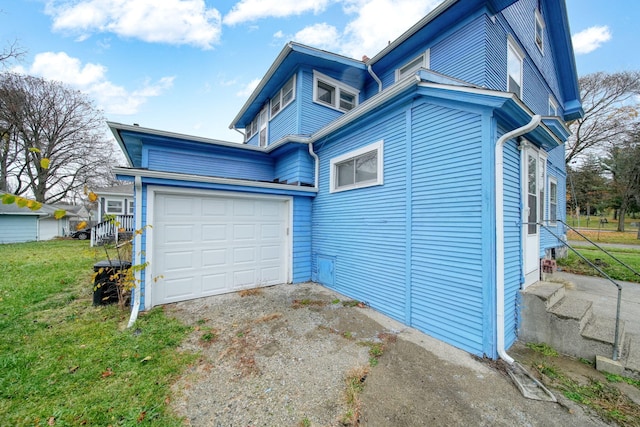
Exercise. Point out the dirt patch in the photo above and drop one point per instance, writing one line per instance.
(282, 356)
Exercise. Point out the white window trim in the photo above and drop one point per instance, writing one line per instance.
(376, 146)
(279, 97)
(426, 63)
(552, 106)
(106, 207)
(339, 86)
(130, 207)
(538, 21)
(554, 181)
(511, 44)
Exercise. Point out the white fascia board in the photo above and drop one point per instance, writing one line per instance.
(210, 179)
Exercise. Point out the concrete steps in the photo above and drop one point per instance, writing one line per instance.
(570, 326)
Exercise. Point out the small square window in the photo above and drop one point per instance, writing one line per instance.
(114, 207)
(357, 169)
(334, 94)
(347, 100)
(326, 93)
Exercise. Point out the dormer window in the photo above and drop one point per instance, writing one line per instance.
(334, 94)
(422, 61)
(284, 97)
(515, 60)
(539, 33)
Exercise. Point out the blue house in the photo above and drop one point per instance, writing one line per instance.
(414, 181)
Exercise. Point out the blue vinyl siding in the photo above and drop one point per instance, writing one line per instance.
(447, 229)
(363, 230)
(241, 164)
(295, 166)
(284, 123)
(469, 46)
(301, 239)
(18, 228)
(513, 274)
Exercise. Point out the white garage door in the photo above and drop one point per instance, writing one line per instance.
(208, 245)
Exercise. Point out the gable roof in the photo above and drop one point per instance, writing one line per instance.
(292, 55)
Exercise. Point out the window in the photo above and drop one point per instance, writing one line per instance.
(514, 69)
(114, 207)
(262, 117)
(539, 37)
(357, 169)
(334, 94)
(130, 211)
(283, 97)
(412, 66)
(553, 200)
(553, 107)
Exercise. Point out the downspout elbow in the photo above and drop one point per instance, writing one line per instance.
(375, 77)
(499, 208)
(317, 165)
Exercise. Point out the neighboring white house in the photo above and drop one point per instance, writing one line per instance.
(115, 200)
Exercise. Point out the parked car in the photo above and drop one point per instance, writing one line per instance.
(82, 234)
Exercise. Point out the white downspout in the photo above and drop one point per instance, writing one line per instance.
(317, 168)
(137, 246)
(499, 194)
(375, 78)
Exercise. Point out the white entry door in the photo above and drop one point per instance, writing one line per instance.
(213, 244)
(533, 174)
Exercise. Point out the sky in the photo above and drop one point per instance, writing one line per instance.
(188, 66)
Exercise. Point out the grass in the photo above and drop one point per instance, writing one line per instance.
(627, 237)
(65, 362)
(631, 257)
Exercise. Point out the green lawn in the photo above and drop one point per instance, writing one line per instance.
(64, 362)
(631, 257)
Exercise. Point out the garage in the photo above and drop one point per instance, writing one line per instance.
(213, 243)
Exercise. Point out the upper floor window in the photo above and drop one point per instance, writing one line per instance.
(333, 93)
(514, 68)
(539, 33)
(262, 118)
(357, 169)
(252, 128)
(553, 107)
(284, 97)
(130, 211)
(422, 61)
(553, 200)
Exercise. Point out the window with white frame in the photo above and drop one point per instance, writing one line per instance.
(553, 107)
(553, 200)
(539, 31)
(263, 119)
(422, 61)
(130, 211)
(357, 169)
(334, 94)
(284, 97)
(515, 60)
(114, 207)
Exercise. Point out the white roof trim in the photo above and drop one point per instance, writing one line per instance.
(210, 179)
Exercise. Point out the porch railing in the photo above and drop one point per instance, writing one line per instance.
(111, 229)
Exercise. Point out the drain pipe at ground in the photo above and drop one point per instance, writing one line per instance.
(137, 257)
(499, 206)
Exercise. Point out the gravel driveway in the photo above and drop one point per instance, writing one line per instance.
(279, 356)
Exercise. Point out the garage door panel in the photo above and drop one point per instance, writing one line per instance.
(209, 245)
(175, 261)
(214, 232)
(244, 232)
(214, 258)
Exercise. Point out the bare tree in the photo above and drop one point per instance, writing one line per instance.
(55, 140)
(610, 108)
(11, 51)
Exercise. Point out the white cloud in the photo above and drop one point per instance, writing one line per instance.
(380, 21)
(592, 38)
(92, 80)
(323, 36)
(252, 10)
(169, 21)
(248, 89)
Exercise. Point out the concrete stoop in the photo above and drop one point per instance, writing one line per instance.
(570, 326)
